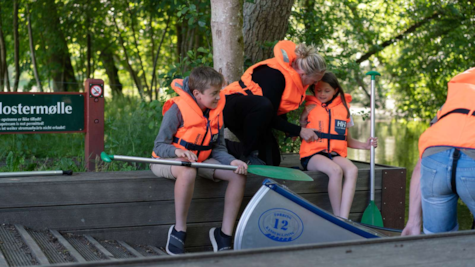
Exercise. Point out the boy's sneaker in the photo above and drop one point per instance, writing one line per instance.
(219, 240)
(175, 242)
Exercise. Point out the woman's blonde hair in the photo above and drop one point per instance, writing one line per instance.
(309, 60)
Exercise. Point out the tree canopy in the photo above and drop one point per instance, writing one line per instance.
(138, 46)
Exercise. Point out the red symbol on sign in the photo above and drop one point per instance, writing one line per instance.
(96, 91)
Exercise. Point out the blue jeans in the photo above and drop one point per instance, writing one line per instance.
(439, 202)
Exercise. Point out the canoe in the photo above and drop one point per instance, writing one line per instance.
(276, 216)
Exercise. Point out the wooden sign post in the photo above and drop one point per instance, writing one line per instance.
(94, 99)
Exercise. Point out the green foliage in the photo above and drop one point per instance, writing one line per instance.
(130, 129)
(416, 45)
(445, 48)
(203, 57)
(287, 143)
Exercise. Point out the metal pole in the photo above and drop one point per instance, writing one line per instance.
(373, 115)
(175, 162)
(35, 173)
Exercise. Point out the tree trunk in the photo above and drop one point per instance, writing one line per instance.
(265, 21)
(59, 63)
(112, 72)
(228, 45)
(132, 26)
(3, 57)
(88, 42)
(156, 59)
(129, 67)
(32, 49)
(152, 45)
(88, 55)
(16, 46)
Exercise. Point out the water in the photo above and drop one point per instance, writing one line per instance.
(397, 146)
(397, 142)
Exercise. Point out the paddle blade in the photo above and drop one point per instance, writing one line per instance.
(372, 215)
(105, 157)
(279, 173)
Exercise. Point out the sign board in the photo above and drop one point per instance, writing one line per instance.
(96, 91)
(34, 112)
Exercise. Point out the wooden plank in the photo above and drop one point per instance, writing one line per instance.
(393, 198)
(72, 251)
(99, 247)
(131, 249)
(3, 261)
(450, 249)
(140, 187)
(156, 235)
(31, 243)
(157, 250)
(141, 213)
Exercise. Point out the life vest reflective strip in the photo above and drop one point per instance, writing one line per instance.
(331, 124)
(198, 132)
(455, 126)
(294, 92)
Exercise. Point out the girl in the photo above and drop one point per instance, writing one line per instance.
(327, 111)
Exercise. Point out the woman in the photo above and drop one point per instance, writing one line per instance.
(447, 151)
(266, 92)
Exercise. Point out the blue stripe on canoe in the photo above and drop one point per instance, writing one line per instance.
(309, 206)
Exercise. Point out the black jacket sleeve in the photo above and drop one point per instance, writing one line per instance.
(272, 83)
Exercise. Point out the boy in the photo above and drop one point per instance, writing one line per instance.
(192, 130)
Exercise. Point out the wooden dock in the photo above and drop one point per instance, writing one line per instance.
(448, 249)
(138, 207)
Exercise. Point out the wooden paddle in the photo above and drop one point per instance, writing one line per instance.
(262, 170)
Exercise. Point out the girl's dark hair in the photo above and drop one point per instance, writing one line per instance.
(331, 79)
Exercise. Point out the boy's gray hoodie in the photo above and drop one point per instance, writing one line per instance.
(172, 120)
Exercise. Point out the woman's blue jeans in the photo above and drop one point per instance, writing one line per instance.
(439, 202)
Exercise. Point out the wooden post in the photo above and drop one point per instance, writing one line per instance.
(393, 197)
(94, 99)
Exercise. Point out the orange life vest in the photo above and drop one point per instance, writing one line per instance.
(294, 92)
(330, 121)
(455, 126)
(198, 132)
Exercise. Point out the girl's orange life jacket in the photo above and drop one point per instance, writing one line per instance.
(455, 126)
(294, 92)
(330, 121)
(198, 131)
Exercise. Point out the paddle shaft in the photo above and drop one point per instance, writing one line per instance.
(373, 115)
(175, 163)
(35, 173)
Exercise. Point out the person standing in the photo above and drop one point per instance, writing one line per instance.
(447, 152)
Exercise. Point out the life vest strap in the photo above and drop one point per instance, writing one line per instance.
(456, 157)
(244, 87)
(330, 136)
(190, 146)
(458, 110)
